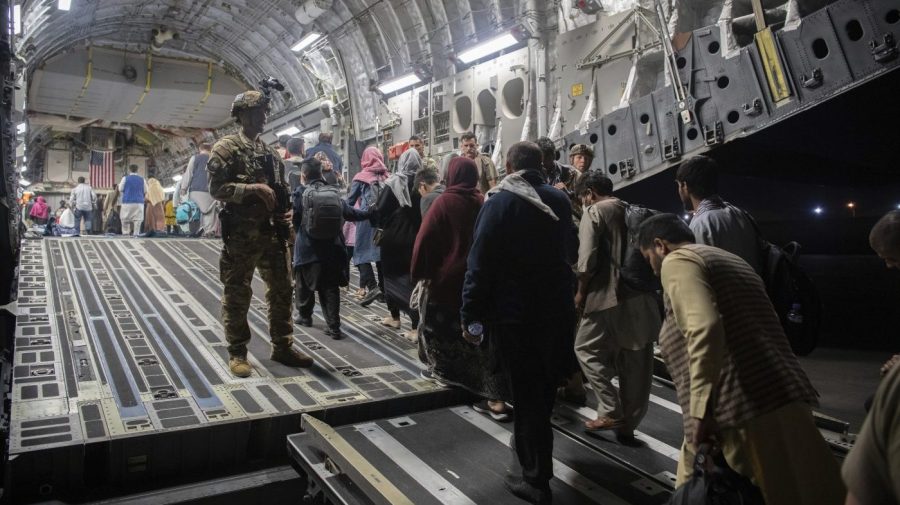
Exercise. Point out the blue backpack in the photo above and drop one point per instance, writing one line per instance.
(187, 212)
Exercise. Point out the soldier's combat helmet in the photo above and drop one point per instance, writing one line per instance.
(581, 149)
(248, 100)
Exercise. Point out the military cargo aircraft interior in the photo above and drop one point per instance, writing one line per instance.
(387, 252)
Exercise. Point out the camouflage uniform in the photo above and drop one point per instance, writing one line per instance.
(250, 238)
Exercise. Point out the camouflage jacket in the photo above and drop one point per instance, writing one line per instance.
(237, 161)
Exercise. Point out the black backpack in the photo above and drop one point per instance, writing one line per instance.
(789, 288)
(323, 212)
(634, 271)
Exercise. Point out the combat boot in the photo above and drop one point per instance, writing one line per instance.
(239, 366)
(287, 355)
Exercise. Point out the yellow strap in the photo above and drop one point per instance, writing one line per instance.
(765, 41)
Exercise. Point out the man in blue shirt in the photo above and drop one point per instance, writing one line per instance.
(325, 146)
(134, 189)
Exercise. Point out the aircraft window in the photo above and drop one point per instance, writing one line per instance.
(681, 62)
(487, 104)
(462, 119)
(892, 16)
(723, 82)
(611, 130)
(692, 133)
(593, 138)
(854, 30)
(645, 118)
(820, 48)
(513, 94)
(713, 47)
(733, 117)
(613, 168)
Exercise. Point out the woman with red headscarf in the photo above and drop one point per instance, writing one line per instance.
(439, 257)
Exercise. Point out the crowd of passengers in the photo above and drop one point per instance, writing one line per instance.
(513, 285)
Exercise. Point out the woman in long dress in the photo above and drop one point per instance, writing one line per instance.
(439, 259)
(399, 218)
(155, 215)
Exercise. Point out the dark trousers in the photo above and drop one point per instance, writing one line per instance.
(329, 299)
(83, 215)
(530, 357)
(367, 276)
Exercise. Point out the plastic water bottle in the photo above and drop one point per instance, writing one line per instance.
(795, 315)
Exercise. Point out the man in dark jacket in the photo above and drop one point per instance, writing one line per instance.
(319, 265)
(519, 284)
(325, 146)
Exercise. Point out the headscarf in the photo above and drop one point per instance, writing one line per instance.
(155, 192)
(373, 169)
(443, 242)
(409, 164)
(517, 185)
(40, 209)
(327, 166)
(462, 178)
(445, 166)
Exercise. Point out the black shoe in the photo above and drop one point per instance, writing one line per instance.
(370, 297)
(303, 321)
(528, 492)
(334, 333)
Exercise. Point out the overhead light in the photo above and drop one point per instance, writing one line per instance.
(64, 5)
(494, 45)
(23, 169)
(399, 83)
(818, 210)
(170, 189)
(177, 178)
(291, 130)
(21, 127)
(306, 41)
(24, 159)
(24, 183)
(17, 14)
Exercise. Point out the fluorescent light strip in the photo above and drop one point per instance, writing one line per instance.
(17, 14)
(494, 45)
(21, 128)
(399, 83)
(306, 41)
(292, 130)
(176, 178)
(64, 5)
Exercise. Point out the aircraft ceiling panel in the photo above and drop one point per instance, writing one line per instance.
(177, 94)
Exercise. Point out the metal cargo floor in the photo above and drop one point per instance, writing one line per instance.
(452, 455)
(120, 340)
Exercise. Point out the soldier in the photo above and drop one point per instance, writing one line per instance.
(248, 176)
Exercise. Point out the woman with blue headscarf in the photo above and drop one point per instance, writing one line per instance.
(399, 219)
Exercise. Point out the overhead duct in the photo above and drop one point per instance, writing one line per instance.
(310, 10)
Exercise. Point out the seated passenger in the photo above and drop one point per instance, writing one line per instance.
(872, 469)
(439, 258)
(738, 383)
(320, 264)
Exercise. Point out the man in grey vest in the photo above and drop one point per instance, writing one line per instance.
(195, 186)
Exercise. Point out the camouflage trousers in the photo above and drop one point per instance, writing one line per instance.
(244, 250)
